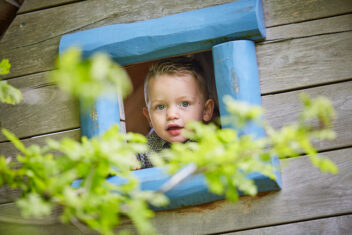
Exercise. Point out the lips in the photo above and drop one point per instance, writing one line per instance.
(174, 129)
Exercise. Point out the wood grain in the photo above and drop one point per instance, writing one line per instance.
(282, 109)
(278, 12)
(34, 5)
(35, 27)
(329, 25)
(302, 57)
(52, 229)
(14, 224)
(327, 226)
(39, 32)
(31, 59)
(307, 194)
(41, 25)
(299, 63)
(44, 109)
(8, 149)
(284, 65)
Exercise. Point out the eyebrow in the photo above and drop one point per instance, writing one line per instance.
(156, 100)
(186, 97)
(189, 98)
(178, 98)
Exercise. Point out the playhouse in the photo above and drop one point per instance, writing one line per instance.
(297, 46)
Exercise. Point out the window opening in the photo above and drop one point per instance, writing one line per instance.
(173, 35)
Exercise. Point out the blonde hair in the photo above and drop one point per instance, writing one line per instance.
(177, 66)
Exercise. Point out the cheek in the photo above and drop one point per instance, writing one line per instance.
(195, 115)
(156, 117)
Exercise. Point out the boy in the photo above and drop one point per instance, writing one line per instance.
(175, 93)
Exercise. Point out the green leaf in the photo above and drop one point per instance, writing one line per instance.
(324, 164)
(11, 137)
(9, 94)
(319, 108)
(34, 206)
(223, 155)
(5, 67)
(89, 79)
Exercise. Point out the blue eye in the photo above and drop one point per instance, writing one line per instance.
(160, 107)
(185, 104)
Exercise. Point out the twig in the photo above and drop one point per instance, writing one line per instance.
(81, 227)
(178, 177)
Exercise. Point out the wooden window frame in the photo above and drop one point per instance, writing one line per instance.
(229, 30)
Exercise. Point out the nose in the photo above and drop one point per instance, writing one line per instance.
(172, 113)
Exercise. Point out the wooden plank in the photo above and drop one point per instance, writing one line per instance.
(307, 194)
(38, 26)
(283, 65)
(281, 109)
(52, 229)
(31, 59)
(278, 12)
(326, 226)
(42, 25)
(34, 5)
(44, 109)
(14, 224)
(237, 76)
(8, 150)
(310, 28)
(186, 32)
(32, 46)
(102, 116)
(303, 62)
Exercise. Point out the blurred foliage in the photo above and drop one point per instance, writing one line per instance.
(46, 181)
(224, 156)
(314, 123)
(5, 67)
(90, 78)
(8, 94)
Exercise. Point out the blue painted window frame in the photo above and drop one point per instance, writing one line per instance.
(229, 30)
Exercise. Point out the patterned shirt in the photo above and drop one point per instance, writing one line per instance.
(156, 144)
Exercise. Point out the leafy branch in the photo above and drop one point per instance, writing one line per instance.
(8, 94)
(46, 181)
(226, 158)
(73, 175)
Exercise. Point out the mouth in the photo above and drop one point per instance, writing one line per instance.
(174, 129)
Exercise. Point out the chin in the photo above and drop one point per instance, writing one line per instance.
(179, 139)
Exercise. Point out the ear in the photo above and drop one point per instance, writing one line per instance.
(146, 115)
(208, 110)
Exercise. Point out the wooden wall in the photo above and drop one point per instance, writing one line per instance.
(308, 49)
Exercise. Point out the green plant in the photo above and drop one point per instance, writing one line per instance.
(225, 157)
(45, 174)
(8, 94)
(91, 78)
(46, 181)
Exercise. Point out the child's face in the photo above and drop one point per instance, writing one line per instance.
(174, 100)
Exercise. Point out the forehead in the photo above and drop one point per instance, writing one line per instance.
(182, 83)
